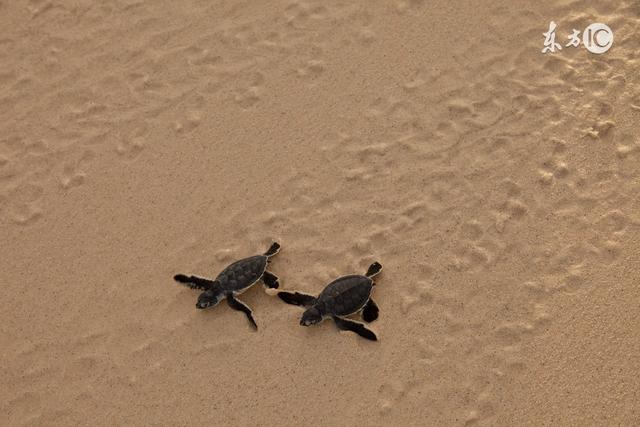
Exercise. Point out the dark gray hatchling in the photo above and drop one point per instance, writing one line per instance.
(342, 297)
(234, 280)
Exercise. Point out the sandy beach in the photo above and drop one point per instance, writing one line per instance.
(498, 185)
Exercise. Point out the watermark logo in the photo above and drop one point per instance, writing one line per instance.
(597, 38)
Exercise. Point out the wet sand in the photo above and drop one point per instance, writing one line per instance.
(497, 185)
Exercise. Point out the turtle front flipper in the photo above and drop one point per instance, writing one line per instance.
(373, 269)
(296, 298)
(236, 304)
(274, 249)
(370, 311)
(194, 282)
(270, 280)
(358, 328)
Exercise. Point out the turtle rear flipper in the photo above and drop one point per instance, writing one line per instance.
(270, 280)
(373, 269)
(274, 249)
(194, 282)
(296, 298)
(370, 311)
(236, 304)
(358, 328)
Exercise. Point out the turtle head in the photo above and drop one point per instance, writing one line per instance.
(209, 298)
(311, 316)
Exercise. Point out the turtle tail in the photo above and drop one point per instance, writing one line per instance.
(274, 249)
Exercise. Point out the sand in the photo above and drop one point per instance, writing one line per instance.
(497, 185)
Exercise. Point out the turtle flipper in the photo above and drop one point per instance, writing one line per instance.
(236, 304)
(357, 327)
(270, 280)
(370, 311)
(274, 249)
(373, 269)
(194, 282)
(296, 298)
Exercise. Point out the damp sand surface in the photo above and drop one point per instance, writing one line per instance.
(498, 186)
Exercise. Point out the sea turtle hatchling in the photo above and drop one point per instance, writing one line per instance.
(342, 297)
(234, 280)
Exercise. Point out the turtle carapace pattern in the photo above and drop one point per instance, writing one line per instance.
(342, 297)
(232, 281)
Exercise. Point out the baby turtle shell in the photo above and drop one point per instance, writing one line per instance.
(242, 274)
(346, 295)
